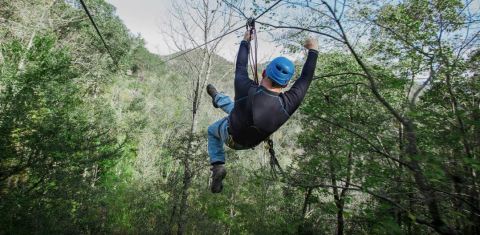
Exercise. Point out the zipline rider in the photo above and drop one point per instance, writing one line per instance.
(259, 110)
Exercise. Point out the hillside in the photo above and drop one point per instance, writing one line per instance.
(100, 136)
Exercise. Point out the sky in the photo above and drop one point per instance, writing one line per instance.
(148, 17)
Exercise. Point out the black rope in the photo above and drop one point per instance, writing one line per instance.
(274, 164)
(98, 31)
(253, 31)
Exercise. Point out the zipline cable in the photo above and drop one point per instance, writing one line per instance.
(189, 50)
(221, 36)
(98, 31)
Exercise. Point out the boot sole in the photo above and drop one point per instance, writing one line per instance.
(217, 181)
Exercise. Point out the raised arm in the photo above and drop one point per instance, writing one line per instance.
(294, 96)
(242, 60)
(242, 81)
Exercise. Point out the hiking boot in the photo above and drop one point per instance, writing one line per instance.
(218, 173)
(212, 92)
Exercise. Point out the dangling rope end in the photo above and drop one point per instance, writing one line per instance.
(274, 164)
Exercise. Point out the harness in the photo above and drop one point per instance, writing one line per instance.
(274, 164)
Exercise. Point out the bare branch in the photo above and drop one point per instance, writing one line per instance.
(362, 137)
(301, 28)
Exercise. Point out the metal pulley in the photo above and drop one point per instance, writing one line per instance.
(251, 22)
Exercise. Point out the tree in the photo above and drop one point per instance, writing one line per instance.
(57, 140)
(46, 135)
(195, 18)
(413, 38)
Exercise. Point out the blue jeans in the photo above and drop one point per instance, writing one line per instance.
(217, 132)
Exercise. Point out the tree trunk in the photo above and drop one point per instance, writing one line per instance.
(305, 202)
(340, 221)
(205, 18)
(429, 195)
(301, 227)
(473, 192)
(337, 196)
(187, 179)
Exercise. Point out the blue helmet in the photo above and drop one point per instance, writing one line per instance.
(280, 70)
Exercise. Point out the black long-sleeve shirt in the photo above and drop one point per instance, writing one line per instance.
(256, 116)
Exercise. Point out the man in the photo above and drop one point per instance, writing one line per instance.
(259, 110)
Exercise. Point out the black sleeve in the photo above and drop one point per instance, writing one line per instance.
(242, 82)
(294, 97)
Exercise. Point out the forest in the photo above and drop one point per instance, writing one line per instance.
(99, 135)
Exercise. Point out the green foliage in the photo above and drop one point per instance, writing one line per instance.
(351, 115)
(52, 143)
(89, 148)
